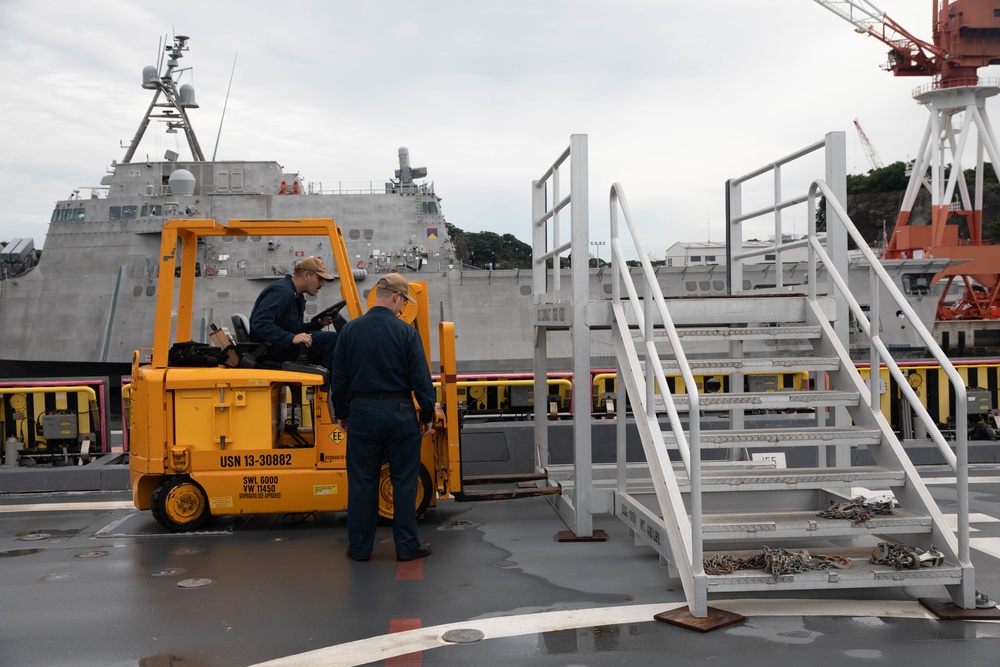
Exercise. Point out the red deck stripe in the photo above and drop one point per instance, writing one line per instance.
(408, 659)
(410, 570)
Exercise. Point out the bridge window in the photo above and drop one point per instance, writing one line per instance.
(67, 214)
(129, 212)
(430, 207)
(55, 215)
(115, 213)
(78, 213)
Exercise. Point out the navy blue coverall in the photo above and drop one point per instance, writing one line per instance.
(278, 315)
(379, 361)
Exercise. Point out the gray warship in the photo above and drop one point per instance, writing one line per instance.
(88, 303)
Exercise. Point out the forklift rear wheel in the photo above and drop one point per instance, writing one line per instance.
(385, 506)
(179, 504)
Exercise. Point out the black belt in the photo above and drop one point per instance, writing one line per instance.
(384, 395)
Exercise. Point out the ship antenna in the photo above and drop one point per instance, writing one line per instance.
(159, 52)
(224, 106)
(176, 102)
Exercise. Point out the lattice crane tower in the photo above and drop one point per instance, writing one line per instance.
(870, 151)
(966, 36)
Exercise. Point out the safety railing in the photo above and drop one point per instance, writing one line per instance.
(736, 217)
(554, 309)
(684, 533)
(879, 353)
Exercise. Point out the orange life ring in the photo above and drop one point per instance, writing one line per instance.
(361, 264)
(210, 270)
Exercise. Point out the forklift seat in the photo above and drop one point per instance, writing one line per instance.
(241, 327)
(251, 352)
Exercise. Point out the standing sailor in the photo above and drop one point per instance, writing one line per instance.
(379, 366)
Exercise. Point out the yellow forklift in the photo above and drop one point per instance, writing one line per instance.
(236, 438)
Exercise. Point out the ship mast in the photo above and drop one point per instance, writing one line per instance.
(175, 104)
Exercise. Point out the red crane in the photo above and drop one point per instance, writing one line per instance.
(870, 152)
(966, 37)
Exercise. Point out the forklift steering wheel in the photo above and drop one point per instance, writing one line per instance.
(329, 312)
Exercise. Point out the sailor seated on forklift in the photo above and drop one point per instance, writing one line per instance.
(277, 317)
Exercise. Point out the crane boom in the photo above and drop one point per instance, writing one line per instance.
(870, 151)
(863, 15)
(909, 56)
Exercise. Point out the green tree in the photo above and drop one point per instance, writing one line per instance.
(484, 249)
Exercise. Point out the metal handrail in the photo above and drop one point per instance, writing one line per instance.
(689, 445)
(959, 460)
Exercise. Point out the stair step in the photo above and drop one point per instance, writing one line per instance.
(703, 311)
(771, 400)
(754, 365)
(511, 478)
(861, 574)
(779, 479)
(529, 485)
(506, 494)
(785, 437)
(749, 333)
(784, 524)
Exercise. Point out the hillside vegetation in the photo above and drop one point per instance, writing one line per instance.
(873, 201)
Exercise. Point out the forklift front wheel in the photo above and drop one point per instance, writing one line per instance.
(385, 505)
(179, 504)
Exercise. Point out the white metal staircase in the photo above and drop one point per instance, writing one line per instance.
(727, 523)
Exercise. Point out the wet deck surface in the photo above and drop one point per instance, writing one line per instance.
(87, 580)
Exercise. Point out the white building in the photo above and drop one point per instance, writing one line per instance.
(709, 253)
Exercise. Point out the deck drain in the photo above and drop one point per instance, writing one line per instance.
(463, 636)
(278, 539)
(30, 537)
(460, 524)
(194, 583)
(168, 572)
(93, 554)
(62, 576)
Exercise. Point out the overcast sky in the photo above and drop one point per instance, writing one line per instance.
(675, 96)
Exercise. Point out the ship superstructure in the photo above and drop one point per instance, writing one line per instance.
(91, 297)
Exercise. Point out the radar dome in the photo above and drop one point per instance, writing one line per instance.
(182, 182)
(148, 75)
(187, 96)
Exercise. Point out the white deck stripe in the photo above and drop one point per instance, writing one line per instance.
(988, 545)
(400, 643)
(64, 507)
